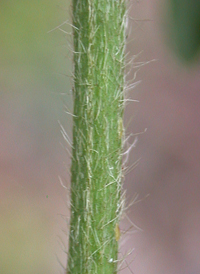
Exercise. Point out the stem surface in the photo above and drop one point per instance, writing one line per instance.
(96, 170)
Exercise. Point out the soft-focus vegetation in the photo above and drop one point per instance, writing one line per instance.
(31, 84)
(184, 27)
(24, 232)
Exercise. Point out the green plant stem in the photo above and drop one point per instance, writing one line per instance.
(96, 170)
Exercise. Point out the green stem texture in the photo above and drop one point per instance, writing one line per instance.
(96, 170)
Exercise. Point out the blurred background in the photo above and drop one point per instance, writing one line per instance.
(35, 85)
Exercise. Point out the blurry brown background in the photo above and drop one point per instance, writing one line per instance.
(34, 90)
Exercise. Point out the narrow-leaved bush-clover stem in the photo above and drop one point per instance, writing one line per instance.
(96, 169)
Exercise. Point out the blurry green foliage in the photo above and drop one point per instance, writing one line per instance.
(30, 88)
(33, 66)
(24, 238)
(184, 27)
(27, 49)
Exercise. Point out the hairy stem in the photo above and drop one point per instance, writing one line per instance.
(99, 45)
